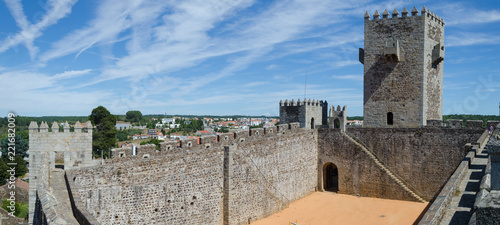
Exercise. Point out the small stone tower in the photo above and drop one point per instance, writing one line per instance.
(310, 114)
(403, 68)
(73, 149)
(338, 118)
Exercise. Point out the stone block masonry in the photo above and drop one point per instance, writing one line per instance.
(423, 157)
(403, 69)
(309, 114)
(235, 184)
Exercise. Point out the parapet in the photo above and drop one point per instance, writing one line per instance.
(44, 127)
(188, 142)
(434, 123)
(454, 123)
(304, 102)
(478, 124)
(256, 132)
(337, 113)
(225, 139)
(404, 15)
(282, 129)
(493, 123)
(241, 136)
(294, 126)
(270, 131)
(205, 142)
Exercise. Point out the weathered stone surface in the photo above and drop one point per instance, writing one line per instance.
(486, 183)
(403, 72)
(424, 158)
(480, 196)
(186, 186)
(73, 149)
(488, 209)
(309, 114)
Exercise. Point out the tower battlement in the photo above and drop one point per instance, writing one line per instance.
(403, 68)
(425, 14)
(308, 113)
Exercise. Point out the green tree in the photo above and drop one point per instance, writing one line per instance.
(21, 168)
(21, 146)
(4, 175)
(152, 141)
(134, 116)
(104, 135)
(122, 135)
(20, 210)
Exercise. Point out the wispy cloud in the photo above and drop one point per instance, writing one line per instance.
(71, 74)
(348, 77)
(29, 32)
(466, 39)
(33, 93)
(458, 13)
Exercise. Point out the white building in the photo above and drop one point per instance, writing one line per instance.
(168, 120)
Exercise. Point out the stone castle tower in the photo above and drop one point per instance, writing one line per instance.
(403, 68)
(309, 114)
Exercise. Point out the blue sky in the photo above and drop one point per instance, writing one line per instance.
(220, 57)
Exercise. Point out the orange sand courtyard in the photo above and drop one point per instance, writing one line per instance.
(328, 208)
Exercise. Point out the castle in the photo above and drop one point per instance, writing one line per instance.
(404, 152)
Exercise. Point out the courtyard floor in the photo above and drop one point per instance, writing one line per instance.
(331, 208)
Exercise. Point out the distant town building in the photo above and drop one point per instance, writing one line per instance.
(203, 132)
(122, 125)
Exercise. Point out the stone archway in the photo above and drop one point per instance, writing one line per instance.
(330, 177)
(336, 123)
(312, 123)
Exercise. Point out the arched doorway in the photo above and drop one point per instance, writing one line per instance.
(336, 123)
(330, 177)
(312, 123)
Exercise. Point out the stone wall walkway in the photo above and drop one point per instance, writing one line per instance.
(60, 193)
(461, 207)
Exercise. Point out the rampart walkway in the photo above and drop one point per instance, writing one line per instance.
(462, 204)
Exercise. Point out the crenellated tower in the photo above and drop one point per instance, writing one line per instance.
(338, 118)
(48, 148)
(403, 68)
(309, 114)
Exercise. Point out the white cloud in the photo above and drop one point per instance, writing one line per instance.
(271, 66)
(32, 93)
(458, 14)
(71, 74)
(466, 39)
(255, 84)
(348, 77)
(343, 63)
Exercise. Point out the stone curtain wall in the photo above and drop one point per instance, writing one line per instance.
(177, 188)
(270, 168)
(271, 173)
(423, 157)
(357, 172)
